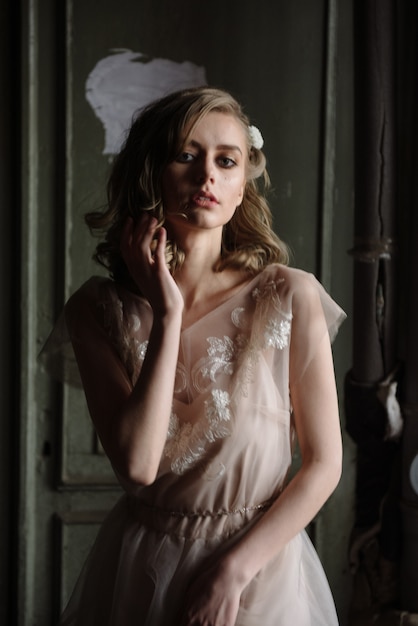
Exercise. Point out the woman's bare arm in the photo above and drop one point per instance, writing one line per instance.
(132, 422)
(318, 427)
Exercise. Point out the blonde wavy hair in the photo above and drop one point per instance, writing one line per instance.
(156, 137)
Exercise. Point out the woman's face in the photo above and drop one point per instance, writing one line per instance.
(205, 183)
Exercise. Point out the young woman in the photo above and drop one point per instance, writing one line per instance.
(203, 358)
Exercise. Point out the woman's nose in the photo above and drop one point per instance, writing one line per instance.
(206, 170)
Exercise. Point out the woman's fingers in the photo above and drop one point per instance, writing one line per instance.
(159, 255)
(136, 239)
(144, 233)
(143, 247)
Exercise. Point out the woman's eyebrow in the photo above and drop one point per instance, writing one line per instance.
(223, 146)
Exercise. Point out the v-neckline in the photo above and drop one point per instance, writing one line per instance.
(216, 308)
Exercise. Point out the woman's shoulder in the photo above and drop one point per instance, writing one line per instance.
(91, 293)
(108, 304)
(94, 285)
(290, 281)
(305, 294)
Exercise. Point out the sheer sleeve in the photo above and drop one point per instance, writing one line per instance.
(333, 313)
(57, 354)
(315, 315)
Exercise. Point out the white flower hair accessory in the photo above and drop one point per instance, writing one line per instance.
(256, 137)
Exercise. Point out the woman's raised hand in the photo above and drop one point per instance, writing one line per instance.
(143, 250)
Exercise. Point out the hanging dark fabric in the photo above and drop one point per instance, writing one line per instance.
(409, 196)
(372, 412)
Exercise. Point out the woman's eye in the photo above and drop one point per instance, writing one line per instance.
(185, 157)
(227, 162)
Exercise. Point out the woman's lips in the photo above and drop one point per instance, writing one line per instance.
(204, 199)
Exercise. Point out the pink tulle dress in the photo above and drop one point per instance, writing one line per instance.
(227, 456)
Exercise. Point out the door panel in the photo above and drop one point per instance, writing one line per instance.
(75, 534)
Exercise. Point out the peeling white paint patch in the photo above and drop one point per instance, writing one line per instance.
(126, 81)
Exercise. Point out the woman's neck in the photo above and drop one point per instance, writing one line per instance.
(203, 286)
(202, 251)
(197, 277)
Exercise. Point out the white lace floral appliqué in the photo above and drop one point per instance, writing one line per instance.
(263, 325)
(277, 328)
(220, 359)
(124, 330)
(187, 443)
(277, 333)
(268, 327)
